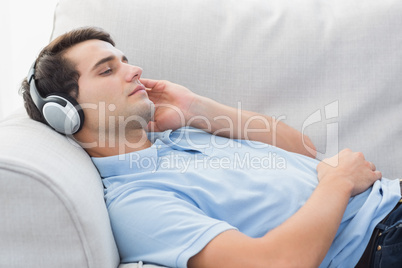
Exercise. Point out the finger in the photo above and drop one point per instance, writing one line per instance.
(152, 127)
(372, 166)
(149, 83)
(149, 127)
(378, 174)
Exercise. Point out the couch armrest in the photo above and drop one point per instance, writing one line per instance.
(51, 201)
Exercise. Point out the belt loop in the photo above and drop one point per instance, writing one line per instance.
(400, 185)
(381, 226)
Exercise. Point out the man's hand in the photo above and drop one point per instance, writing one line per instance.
(349, 167)
(172, 104)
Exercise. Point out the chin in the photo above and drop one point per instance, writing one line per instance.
(139, 118)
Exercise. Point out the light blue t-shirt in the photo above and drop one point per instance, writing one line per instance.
(168, 201)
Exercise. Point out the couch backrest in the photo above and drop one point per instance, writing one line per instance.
(329, 68)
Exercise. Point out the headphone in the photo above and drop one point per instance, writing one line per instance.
(61, 111)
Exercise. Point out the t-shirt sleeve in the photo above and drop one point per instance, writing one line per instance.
(160, 227)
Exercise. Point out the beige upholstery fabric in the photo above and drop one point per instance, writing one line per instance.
(51, 201)
(329, 68)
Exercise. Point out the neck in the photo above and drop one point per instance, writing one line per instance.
(98, 145)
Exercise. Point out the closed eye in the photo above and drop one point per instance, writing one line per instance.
(108, 71)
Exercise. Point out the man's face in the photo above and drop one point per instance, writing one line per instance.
(110, 92)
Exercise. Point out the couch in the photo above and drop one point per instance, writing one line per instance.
(331, 69)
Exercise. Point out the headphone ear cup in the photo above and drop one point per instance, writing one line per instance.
(63, 113)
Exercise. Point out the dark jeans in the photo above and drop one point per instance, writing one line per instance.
(388, 247)
(385, 247)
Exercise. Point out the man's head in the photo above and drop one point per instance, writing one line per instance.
(54, 73)
(85, 65)
(110, 91)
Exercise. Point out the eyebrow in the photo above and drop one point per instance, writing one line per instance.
(107, 59)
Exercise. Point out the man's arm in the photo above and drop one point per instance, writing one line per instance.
(240, 124)
(176, 106)
(305, 238)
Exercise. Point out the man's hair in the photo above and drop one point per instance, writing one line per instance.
(54, 73)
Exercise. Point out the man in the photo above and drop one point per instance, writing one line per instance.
(212, 192)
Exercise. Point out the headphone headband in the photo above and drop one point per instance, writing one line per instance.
(37, 99)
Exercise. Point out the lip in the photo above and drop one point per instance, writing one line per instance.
(136, 89)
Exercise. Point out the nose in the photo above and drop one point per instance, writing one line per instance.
(133, 73)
